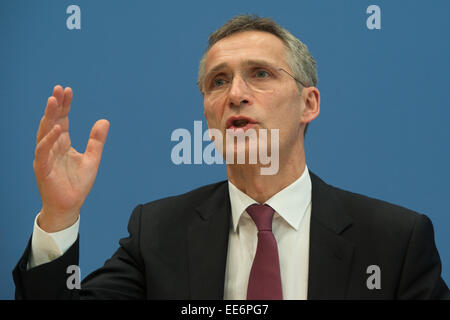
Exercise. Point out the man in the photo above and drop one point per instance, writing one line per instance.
(286, 235)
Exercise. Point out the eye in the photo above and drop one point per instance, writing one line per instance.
(262, 74)
(218, 82)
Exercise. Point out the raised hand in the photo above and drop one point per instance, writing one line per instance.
(64, 176)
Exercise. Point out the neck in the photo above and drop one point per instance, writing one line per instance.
(261, 188)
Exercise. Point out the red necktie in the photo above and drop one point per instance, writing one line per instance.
(265, 281)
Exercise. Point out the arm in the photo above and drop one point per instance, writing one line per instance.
(46, 247)
(64, 178)
(421, 272)
(121, 277)
(46, 281)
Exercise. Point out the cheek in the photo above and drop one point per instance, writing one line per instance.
(276, 106)
(282, 110)
(290, 104)
(213, 112)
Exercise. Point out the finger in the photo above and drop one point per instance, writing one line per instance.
(42, 152)
(68, 95)
(49, 118)
(97, 140)
(58, 94)
(55, 111)
(52, 108)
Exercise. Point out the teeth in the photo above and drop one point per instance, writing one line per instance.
(240, 123)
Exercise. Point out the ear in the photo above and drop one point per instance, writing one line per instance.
(311, 102)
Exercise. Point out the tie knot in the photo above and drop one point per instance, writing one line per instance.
(262, 215)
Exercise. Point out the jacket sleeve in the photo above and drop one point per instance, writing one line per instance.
(46, 281)
(421, 272)
(121, 277)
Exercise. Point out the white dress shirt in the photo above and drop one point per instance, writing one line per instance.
(290, 227)
(46, 247)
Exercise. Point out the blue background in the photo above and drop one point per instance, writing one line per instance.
(383, 129)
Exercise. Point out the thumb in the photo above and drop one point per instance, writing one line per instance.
(97, 140)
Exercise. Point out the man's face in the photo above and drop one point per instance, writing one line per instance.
(242, 79)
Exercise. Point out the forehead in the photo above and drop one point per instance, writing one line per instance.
(244, 46)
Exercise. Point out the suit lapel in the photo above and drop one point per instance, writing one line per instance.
(330, 254)
(208, 245)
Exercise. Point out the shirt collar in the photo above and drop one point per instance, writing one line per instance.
(290, 203)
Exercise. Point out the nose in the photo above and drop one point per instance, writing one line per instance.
(239, 93)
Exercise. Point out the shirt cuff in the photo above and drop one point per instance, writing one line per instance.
(46, 247)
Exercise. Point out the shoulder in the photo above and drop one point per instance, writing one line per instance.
(359, 204)
(181, 206)
(190, 199)
(371, 215)
(397, 239)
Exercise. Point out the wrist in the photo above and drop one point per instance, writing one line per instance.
(53, 223)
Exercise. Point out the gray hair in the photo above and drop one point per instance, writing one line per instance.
(299, 58)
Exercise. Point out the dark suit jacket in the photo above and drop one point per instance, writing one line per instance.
(177, 249)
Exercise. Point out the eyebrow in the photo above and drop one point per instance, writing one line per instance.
(246, 62)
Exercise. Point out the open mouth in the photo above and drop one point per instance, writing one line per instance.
(239, 122)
